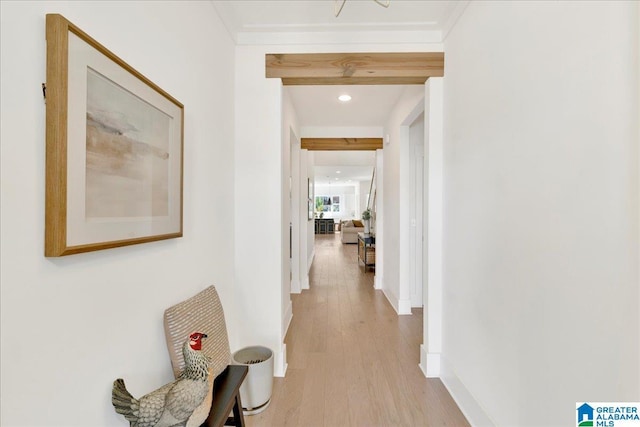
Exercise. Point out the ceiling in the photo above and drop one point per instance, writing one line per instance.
(343, 167)
(370, 106)
(318, 106)
(318, 15)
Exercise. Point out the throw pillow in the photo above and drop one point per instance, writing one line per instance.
(347, 223)
(357, 223)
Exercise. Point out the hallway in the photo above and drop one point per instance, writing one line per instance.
(352, 361)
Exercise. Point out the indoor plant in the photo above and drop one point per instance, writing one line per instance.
(366, 217)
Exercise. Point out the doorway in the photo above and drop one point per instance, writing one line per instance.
(427, 213)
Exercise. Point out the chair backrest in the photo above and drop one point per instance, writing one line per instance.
(203, 313)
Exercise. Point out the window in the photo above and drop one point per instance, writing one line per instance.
(327, 204)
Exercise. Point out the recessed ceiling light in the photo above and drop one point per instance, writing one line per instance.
(338, 172)
(344, 98)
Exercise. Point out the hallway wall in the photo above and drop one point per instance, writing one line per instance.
(310, 165)
(347, 197)
(541, 209)
(72, 325)
(396, 172)
(259, 167)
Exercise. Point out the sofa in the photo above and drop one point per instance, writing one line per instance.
(349, 230)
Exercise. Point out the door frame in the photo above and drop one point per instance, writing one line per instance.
(431, 349)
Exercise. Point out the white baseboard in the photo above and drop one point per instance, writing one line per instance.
(310, 260)
(423, 360)
(295, 286)
(391, 300)
(469, 406)
(280, 358)
(305, 280)
(429, 363)
(404, 306)
(280, 362)
(377, 281)
(286, 322)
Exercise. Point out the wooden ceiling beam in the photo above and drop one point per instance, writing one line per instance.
(354, 68)
(316, 81)
(341, 144)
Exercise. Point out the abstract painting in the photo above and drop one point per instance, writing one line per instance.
(127, 167)
(114, 149)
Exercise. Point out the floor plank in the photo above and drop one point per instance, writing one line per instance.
(352, 361)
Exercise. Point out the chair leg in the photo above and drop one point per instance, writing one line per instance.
(238, 416)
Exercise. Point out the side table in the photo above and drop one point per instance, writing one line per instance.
(367, 249)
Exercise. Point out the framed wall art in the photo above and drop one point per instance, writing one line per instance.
(114, 149)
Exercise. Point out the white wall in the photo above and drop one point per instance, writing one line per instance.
(290, 182)
(431, 349)
(363, 192)
(298, 211)
(341, 132)
(310, 224)
(259, 203)
(378, 223)
(541, 202)
(70, 326)
(347, 194)
(395, 152)
(306, 191)
(415, 209)
(350, 209)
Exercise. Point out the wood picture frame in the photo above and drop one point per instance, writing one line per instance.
(114, 149)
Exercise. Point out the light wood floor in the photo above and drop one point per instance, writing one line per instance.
(352, 360)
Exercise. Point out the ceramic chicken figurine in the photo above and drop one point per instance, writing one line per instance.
(179, 403)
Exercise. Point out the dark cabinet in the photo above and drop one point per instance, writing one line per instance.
(324, 226)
